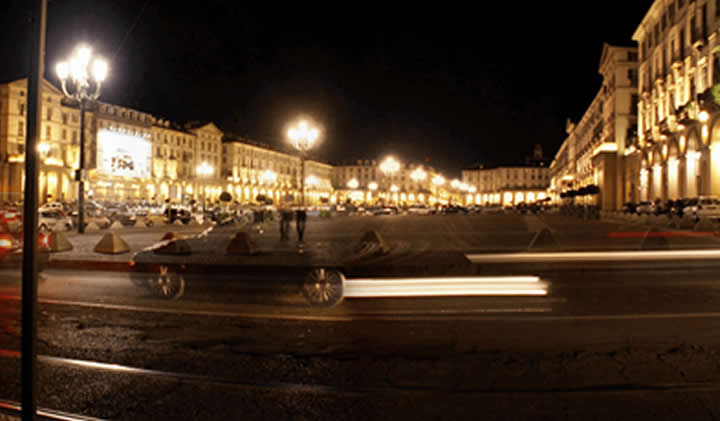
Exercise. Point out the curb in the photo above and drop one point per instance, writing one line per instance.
(90, 265)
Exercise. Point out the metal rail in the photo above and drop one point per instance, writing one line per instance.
(13, 409)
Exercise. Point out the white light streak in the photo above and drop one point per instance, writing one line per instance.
(439, 287)
(596, 256)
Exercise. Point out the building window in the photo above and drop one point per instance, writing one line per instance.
(21, 128)
(21, 108)
(49, 114)
(74, 137)
(48, 132)
(64, 134)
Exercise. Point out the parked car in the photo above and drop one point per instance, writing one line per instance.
(645, 208)
(450, 209)
(419, 210)
(629, 207)
(492, 210)
(677, 207)
(690, 207)
(383, 210)
(708, 207)
(54, 220)
(51, 206)
(121, 213)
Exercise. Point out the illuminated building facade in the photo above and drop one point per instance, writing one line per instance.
(251, 169)
(596, 149)
(677, 152)
(508, 185)
(58, 147)
(367, 181)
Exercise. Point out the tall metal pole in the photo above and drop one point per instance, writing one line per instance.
(302, 179)
(81, 171)
(30, 209)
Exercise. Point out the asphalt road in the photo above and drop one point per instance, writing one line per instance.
(632, 340)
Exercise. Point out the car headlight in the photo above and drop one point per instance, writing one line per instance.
(6, 243)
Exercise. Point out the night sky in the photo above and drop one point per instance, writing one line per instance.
(457, 85)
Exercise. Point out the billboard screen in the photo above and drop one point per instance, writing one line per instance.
(123, 154)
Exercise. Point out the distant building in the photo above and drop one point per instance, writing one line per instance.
(510, 184)
(594, 150)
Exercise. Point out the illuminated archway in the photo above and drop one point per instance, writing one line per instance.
(692, 165)
(710, 163)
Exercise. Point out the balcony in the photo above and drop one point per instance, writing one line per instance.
(697, 38)
(709, 99)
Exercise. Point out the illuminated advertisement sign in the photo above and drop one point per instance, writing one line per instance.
(123, 154)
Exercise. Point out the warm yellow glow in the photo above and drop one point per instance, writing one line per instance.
(472, 189)
(507, 198)
(353, 183)
(403, 197)
(372, 186)
(100, 69)
(605, 147)
(312, 181)
(531, 197)
(455, 184)
(205, 169)
(542, 196)
(418, 175)
(421, 197)
(519, 197)
(568, 178)
(682, 143)
(438, 180)
(53, 161)
(703, 116)
(303, 136)
(394, 188)
(390, 166)
(411, 197)
(62, 70)
(705, 133)
(269, 177)
(43, 148)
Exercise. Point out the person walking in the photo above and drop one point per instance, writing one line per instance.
(300, 219)
(285, 218)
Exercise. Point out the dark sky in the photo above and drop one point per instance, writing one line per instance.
(456, 84)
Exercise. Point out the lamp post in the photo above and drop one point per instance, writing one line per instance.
(437, 181)
(389, 167)
(303, 137)
(204, 170)
(418, 176)
(81, 78)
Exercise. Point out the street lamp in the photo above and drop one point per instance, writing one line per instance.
(204, 170)
(373, 186)
(389, 167)
(269, 177)
(353, 184)
(303, 137)
(81, 78)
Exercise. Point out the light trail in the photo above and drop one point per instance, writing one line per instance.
(444, 287)
(596, 256)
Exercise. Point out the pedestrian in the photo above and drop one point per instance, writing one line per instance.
(300, 219)
(285, 218)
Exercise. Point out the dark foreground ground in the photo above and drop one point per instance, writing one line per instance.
(637, 340)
